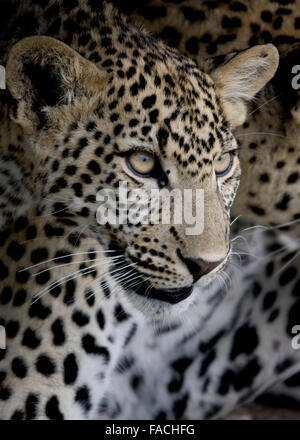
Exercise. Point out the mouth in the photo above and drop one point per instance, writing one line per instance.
(172, 296)
(143, 287)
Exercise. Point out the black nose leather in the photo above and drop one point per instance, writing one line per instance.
(199, 267)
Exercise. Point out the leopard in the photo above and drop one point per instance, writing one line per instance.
(99, 101)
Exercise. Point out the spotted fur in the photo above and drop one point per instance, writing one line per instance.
(76, 322)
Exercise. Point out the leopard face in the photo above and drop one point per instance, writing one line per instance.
(150, 119)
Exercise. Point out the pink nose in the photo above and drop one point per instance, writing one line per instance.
(197, 266)
(206, 266)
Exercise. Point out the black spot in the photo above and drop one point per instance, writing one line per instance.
(39, 255)
(4, 236)
(63, 257)
(100, 319)
(283, 365)
(149, 101)
(273, 315)
(70, 290)
(238, 7)
(30, 339)
(120, 313)
(293, 178)
(245, 377)
(179, 406)
(15, 251)
(181, 365)
(257, 210)
(94, 167)
(192, 45)
(283, 204)
(118, 129)
(266, 16)
(175, 384)
(43, 277)
(209, 358)
(89, 297)
(296, 289)
(269, 299)
(19, 367)
(153, 116)
(287, 276)
(2, 376)
(20, 298)
(17, 415)
(171, 36)
(6, 295)
(57, 328)
(105, 289)
(20, 224)
(269, 269)
(89, 345)
(245, 341)
(45, 365)
(136, 382)
(82, 397)
(5, 393)
(3, 271)
(226, 381)
(70, 369)
(80, 318)
(293, 381)
(52, 409)
(38, 310)
(31, 406)
(264, 177)
(12, 328)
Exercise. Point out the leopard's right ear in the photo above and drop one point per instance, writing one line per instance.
(43, 74)
(241, 77)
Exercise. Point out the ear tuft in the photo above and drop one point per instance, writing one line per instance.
(242, 77)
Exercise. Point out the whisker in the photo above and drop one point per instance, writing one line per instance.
(265, 103)
(287, 264)
(245, 253)
(259, 132)
(77, 262)
(65, 256)
(233, 221)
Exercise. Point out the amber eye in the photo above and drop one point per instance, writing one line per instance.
(224, 164)
(141, 162)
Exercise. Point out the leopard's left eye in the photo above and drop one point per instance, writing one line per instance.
(224, 164)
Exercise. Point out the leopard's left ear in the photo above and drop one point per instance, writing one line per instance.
(242, 77)
(44, 74)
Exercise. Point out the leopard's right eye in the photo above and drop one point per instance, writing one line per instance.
(141, 162)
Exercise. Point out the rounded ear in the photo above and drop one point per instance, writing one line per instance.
(42, 73)
(241, 77)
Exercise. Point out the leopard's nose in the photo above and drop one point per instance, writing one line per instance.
(199, 267)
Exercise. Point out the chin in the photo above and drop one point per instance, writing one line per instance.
(159, 310)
